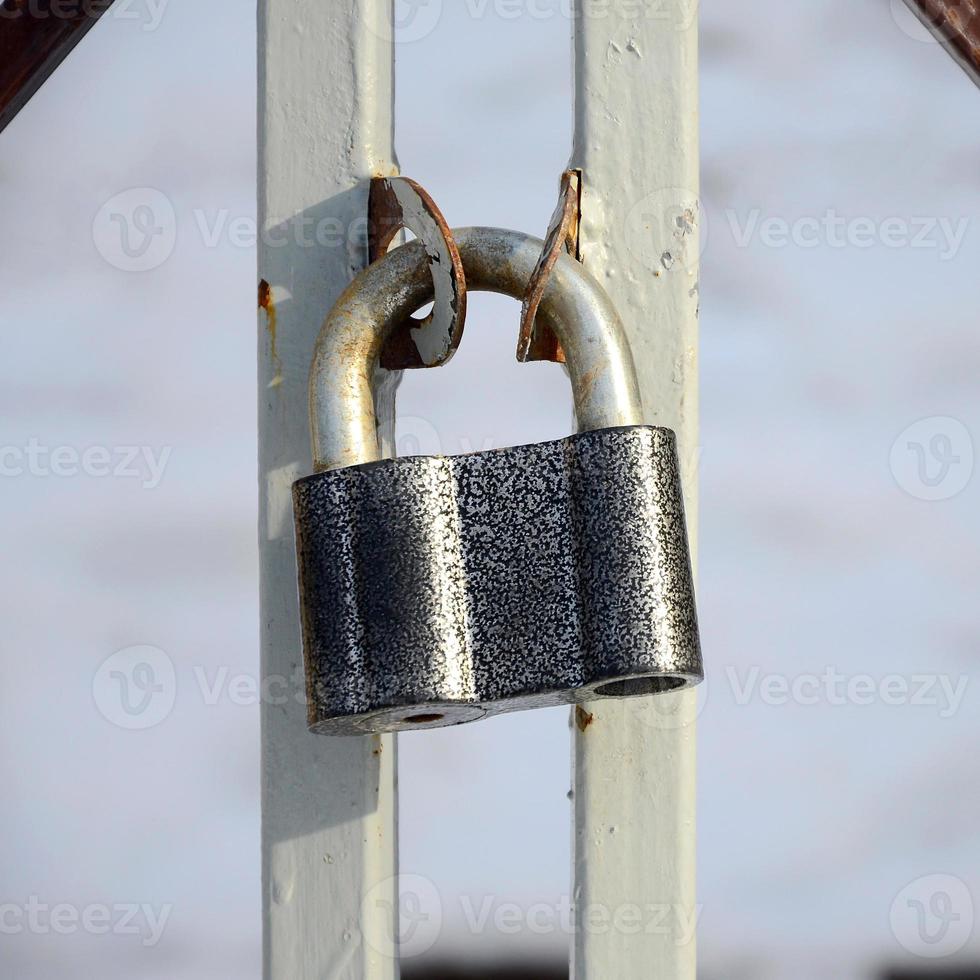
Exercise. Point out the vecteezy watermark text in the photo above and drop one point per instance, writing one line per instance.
(35, 459)
(149, 13)
(37, 918)
(404, 917)
(414, 20)
(136, 688)
(831, 229)
(678, 13)
(546, 919)
(138, 230)
(837, 689)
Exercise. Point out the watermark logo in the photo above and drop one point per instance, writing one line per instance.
(672, 710)
(136, 688)
(933, 916)
(416, 436)
(667, 230)
(409, 21)
(413, 436)
(933, 458)
(136, 231)
(401, 917)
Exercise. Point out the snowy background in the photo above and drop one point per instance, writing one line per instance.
(840, 543)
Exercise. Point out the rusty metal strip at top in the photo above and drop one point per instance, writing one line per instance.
(538, 342)
(400, 202)
(956, 25)
(35, 38)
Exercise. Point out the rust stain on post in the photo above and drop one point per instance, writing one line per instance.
(35, 38)
(267, 303)
(582, 718)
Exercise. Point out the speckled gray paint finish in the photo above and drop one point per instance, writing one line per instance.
(438, 590)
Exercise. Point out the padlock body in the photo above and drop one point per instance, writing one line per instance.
(440, 590)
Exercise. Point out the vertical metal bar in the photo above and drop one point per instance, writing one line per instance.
(636, 144)
(329, 805)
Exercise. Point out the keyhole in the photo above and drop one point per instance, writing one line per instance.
(424, 719)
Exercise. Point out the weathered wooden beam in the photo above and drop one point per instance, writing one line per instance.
(35, 38)
(956, 25)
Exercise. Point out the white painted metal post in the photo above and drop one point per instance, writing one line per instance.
(329, 807)
(636, 143)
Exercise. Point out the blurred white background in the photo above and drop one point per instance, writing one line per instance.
(840, 548)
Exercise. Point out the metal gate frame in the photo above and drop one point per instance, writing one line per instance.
(326, 85)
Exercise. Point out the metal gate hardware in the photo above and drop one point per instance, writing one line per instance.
(538, 342)
(441, 590)
(400, 202)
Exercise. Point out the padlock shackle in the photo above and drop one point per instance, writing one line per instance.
(345, 369)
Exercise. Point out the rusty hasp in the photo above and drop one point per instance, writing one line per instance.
(398, 203)
(956, 25)
(538, 342)
(35, 38)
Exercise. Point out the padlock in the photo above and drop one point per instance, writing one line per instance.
(437, 590)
